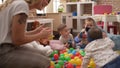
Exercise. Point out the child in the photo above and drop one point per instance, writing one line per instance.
(100, 49)
(42, 45)
(66, 37)
(81, 38)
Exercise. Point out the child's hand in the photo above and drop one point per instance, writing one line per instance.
(104, 34)
(83, 30)
(67, 45)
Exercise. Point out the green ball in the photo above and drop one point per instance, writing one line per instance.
(57, 66)
(67, 58)
(62, 58)
(55, 52)
(61, 54)
(71, 49)
(61, 62)
(82, 52)
(52, 54)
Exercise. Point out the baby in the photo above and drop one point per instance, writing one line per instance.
(100, 49)
(66, 37)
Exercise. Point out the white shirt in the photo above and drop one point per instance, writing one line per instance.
(6, 15)
(65, 40)
(101, 51)
(44, 49)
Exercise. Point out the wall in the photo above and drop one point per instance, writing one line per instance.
(114, 3)
(50, 7)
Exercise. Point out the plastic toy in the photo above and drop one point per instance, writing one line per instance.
(57, 66)
(56, 56)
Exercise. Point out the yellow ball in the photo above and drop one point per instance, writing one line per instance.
(52, 63)
(72, 61)
(78, 62)
(76, 58)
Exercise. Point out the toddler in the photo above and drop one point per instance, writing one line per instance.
(66, 37)
(100, 49)
(81, 39)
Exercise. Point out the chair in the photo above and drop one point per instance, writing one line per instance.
(101, 10)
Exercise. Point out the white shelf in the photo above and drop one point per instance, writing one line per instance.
(71, 3)
(81, 8)
(84, 17)
(74, 17)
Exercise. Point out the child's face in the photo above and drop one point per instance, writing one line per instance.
(44, 41)
(88, 24)
(65, 32)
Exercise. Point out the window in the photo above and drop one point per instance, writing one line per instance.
(56, 4)
(41, 11)
(1, 1)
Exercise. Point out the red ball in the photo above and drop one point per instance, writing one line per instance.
(77, 54)
(56, 56)
(69, 65)
(72, 57)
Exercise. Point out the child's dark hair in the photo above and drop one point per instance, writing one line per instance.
(95, 33)
(61, 27)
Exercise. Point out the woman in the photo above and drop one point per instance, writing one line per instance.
(13, 16)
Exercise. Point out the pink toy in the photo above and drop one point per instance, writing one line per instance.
(56, 45)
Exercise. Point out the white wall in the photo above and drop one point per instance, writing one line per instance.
(50, 7)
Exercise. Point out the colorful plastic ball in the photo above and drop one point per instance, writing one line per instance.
(56, 56)
(52, 63)
(67, 58)
(77, 54)
(78, 66)
(72, 61)
(55, 52)
(61, 62)
(76, 57)
(92, 64)
(71, 49)
(74, 52)
(72, 57)
(69, 65)
(61, 54)
(62, 58)
(82, 52)
(78, 62)
(57, 66)
(51, 67)
(52, 54)
(52, 59)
